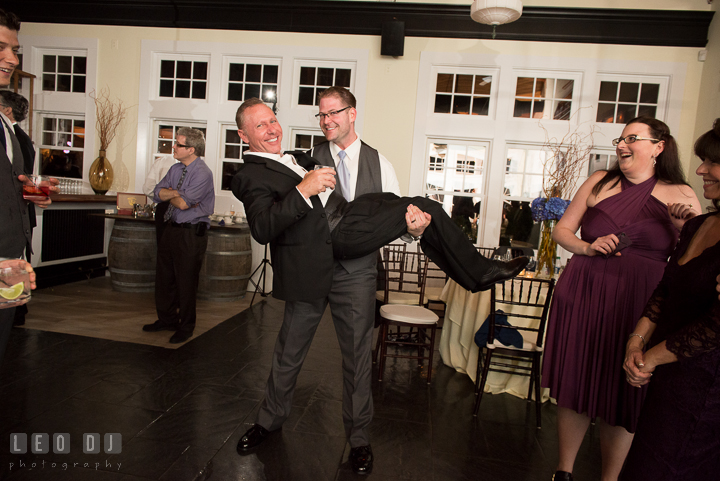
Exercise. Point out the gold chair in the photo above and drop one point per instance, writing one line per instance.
(525, 301)
(405, 274)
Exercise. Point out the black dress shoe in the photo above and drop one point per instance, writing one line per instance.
(500, 271)
(252, 438)
(361, 460)
(158, 326)
(562, 476)
(180, 336)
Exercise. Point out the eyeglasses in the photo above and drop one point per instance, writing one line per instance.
(178, 144)
(631, 139)
(332, 113)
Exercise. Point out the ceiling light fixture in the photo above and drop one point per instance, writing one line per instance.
(495, 12)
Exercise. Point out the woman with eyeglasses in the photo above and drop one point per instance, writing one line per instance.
(678, 435)
(627, 234)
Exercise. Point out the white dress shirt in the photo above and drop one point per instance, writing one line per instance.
(289, 161)
(352, 161)
(157, 173)
(6, 123)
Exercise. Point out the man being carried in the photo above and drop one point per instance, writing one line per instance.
(307, 224)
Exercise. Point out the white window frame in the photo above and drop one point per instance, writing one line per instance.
(482, 195)
(662, 80)
(476, 71)
(333, 64)
(504, 129)
(227, 60)
(186, 57)
(40, 145)
(294, 132)
(57, 52)
(70, 104)
(566, 74)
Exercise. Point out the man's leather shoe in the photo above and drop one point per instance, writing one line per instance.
(562, 476)
(361, 459)
(158, 326)
(180, 336)
(500, 271)
(252, 438)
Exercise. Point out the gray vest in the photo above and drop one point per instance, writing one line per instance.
(369, 181)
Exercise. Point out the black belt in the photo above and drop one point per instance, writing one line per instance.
(186, 225)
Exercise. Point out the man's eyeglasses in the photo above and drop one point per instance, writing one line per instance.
(332, 113)
(178, 144)
(631, 139)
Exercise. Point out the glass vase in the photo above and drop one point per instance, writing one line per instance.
(547, 251)
(101, 174)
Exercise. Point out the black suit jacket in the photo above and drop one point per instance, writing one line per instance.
(278, 214)
(28, 151)
(14, 221)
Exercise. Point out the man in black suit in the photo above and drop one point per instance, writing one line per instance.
(293, 207)
(15, 107)
(14, 219)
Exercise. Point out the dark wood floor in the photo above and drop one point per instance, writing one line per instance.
(181, 412)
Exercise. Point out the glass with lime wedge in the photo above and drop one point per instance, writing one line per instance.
(14, 286)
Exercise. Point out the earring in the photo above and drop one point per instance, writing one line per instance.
(654, 161)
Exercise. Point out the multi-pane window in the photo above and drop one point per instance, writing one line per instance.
(462, 94)
(165, 136)
(308, 141)
(455, 177)
(543, 98)
(232, 147)
(524, 172)
(314, 80)
(600, 161)
(248, 80)
(64, 73)
(619, 102)
(523, 183)
(183, 79)
(61, 146)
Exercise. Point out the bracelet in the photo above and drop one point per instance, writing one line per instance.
(638, 335)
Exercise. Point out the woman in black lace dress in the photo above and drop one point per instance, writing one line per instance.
(678, 434)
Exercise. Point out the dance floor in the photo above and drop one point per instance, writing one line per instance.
(180, 411)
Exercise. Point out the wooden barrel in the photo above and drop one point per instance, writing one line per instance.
(132, 255)
(228, 260)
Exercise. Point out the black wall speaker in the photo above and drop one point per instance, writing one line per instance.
(393, 38)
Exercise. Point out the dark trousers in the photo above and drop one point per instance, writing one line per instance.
(374, 220)
(179, 258)
(6, 322)
(352, 302)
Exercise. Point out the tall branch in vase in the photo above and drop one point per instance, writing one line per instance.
(561, 171)
(109, 115)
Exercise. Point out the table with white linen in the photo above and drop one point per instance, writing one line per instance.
(465, 312)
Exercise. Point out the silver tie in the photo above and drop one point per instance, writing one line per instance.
(344, 176)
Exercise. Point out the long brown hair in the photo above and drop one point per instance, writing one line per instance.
(667, 167)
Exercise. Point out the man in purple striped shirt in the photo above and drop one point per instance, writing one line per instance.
(188, 188)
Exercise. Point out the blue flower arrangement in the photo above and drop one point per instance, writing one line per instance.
(548, 209)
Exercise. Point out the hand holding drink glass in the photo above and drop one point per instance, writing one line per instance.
(327, 170)
(17, 279)
(37, 188)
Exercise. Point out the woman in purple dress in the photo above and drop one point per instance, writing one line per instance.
(602, 292)
(678, 435)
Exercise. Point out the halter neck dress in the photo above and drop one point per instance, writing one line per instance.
(598, 301)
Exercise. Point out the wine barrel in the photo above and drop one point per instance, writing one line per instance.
(226, 268)
(132, 255)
